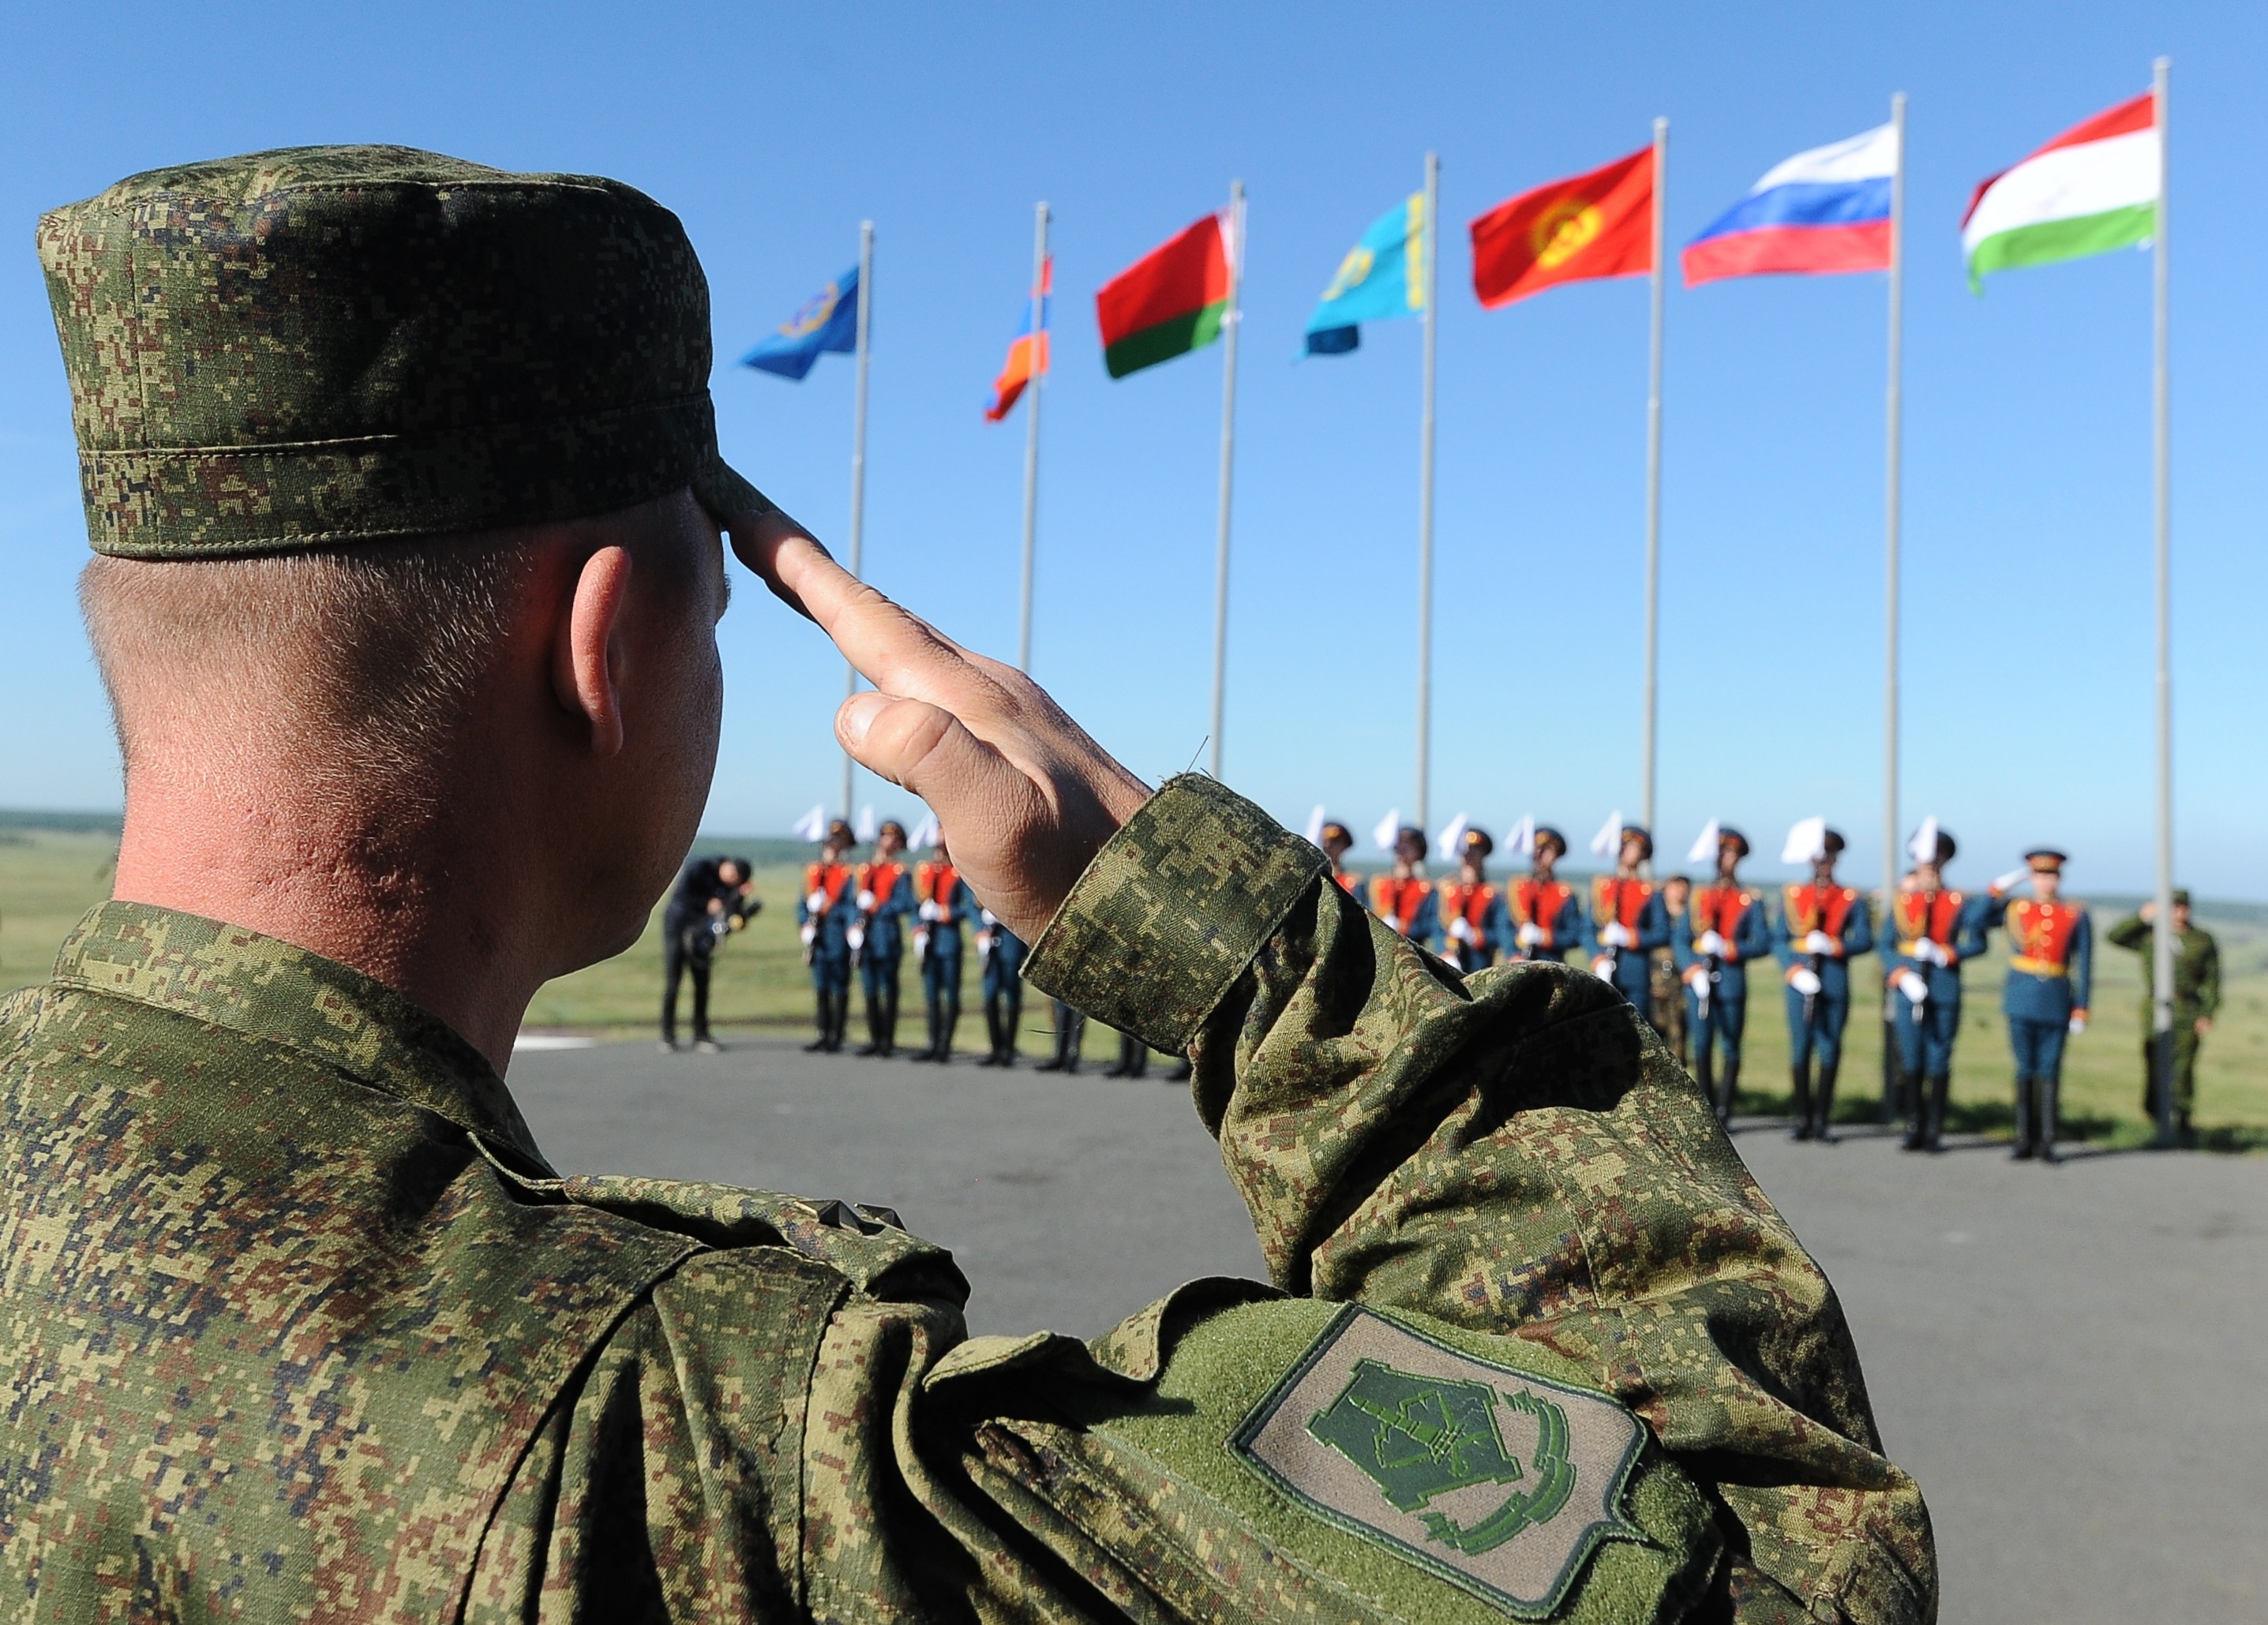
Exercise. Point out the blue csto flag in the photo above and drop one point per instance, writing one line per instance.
(827, 320)
(1382, 275)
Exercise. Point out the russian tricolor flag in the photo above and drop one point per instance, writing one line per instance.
(1827, 210)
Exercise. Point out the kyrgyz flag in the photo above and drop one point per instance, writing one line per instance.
(1168, 303)
(1599, 224)
(2093, 189)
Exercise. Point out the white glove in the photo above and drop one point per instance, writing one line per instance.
(1804, 981)
(930, 910)
(1602, 967)
(2078, 1024)
(1818, 942)
(856, 938)
(921, 940)
(2014, 878)
(865, 902)
(1617, 935)
(1697, 977)
(1929, 952)
(1461, 930)
(987, 917)
(984, 945)
(810, 935)
(1912, 986)
(816, 902)
(1531, 935)
(1711, 944)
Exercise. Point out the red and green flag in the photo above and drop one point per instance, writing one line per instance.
(1168, 303)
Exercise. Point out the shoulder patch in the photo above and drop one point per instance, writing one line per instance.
(1499, 1481)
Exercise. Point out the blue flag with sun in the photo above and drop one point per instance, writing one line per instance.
(1383, 275)
(827, 320)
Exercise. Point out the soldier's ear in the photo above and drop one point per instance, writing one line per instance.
(587, 648)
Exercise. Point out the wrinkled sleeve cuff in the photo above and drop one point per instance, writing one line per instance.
(1171, 912)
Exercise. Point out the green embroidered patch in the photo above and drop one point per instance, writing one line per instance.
(1499, 1481)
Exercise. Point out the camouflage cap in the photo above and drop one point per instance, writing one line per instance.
(323, 345)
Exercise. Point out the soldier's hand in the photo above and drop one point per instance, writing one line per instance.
(1025, 797)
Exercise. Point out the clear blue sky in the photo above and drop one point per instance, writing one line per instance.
(773, 130)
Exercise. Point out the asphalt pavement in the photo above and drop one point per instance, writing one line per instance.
(2073, 1361)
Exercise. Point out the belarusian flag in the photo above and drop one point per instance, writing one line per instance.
(2093, 189)
(1168, 303)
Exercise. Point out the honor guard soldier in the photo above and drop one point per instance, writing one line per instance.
(828, 913)
(2196, 1001)
(1403, 897)
(1628, 921)
(1003, 952)
(1935, 929)
(1668, 989)
(2051, 964)
(1070, 1035)
(886, 902)
(1338, 841)
(942, 901)
(1821, 928)
(1133, 1058)
(1478, 923)
(1726, 927)
(300, 1322)
(1546, 915)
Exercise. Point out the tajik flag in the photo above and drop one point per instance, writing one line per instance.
(2093, 189)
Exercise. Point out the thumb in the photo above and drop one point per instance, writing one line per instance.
(926, 749)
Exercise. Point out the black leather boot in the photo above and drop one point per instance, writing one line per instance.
(887, 1029)
(928, 1052)
(826, 1026)
(1704, 1073)
(948, 1023)
(2045, 1108)
(1825, 1132)
(2027, 1129)
(1939, 1087)
(1799, 1075)
(992, 1032)
(873, 1044)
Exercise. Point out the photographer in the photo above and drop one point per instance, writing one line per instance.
(714, 897)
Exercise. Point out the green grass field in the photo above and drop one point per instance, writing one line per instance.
(49, 876)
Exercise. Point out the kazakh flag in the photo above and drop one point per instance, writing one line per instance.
(1383, 275)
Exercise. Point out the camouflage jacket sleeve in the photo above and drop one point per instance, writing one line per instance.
(1511, 1153)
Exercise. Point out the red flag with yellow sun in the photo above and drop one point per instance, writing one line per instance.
(1598, 224)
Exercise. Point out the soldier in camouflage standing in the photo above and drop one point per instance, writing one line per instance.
(2196, 1001)
(302, 1325)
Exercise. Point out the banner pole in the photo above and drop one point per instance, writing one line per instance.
(1428, 240)
(858, 459)
(1893, 449)
(1653, 473)
(2161, 435)
(1037, 359)
(1232, 321)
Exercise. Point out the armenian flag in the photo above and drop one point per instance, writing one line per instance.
(1595, 225)
(2092, 189)
(1027, 351)
(1824, 210)
(1169, 302)
(1383, 275)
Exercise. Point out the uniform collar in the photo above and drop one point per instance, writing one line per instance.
(227, 976)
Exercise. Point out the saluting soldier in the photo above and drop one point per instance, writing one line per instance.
(1628, 922)
(1936, 929)
(2051, 964)
(1547, 914)
(2196, 1001)
(1726, 927)
(301, 1324)
(1477, 924)
(828, 912)
(942, 903)
(886, 902)
(1823, 926)
(1403, 897)
(1003, 952)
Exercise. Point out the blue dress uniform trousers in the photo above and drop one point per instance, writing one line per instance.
(941, 967)
(1925, 1034)
(1719, 1023)
(1815, 1025)
(1004, 994)
(2038, 1046)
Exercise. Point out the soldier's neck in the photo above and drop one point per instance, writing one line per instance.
(396, 896)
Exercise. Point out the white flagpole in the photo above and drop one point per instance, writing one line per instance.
(1653, 471)
(1894, 449)
(1032, 433)
(1428, 240)
(1231, 321)
(858, 457)
(2161, 403)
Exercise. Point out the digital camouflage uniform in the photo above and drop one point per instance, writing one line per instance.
(299, 1321)
(2196, 994)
